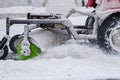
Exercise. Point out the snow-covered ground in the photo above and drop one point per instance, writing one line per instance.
(73, 60)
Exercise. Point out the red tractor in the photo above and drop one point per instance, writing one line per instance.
(103, 24)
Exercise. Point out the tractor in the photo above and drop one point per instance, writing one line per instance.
(102, 27)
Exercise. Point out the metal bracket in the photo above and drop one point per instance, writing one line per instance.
(25, 44)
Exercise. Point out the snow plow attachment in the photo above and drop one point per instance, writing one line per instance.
(38, 41)
(40, 33)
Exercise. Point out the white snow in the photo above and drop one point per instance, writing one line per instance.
(73, 60)
(21, 9)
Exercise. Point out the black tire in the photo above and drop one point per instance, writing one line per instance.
(4, 52)
(14, 41)
(107, 28)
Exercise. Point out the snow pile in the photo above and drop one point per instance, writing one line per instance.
(84, 65)
(71, 48)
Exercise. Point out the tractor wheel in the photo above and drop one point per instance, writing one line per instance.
(4, 52)
(14, 41)
(109, 34)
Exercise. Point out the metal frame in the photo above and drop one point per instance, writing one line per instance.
(52, 20)
(44, 19)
